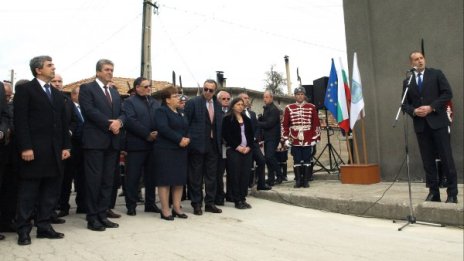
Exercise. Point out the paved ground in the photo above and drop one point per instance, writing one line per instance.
(268, 231)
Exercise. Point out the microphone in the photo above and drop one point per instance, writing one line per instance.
(413, 69)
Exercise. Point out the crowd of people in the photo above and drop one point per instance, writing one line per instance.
(180, 148)
(177, 146)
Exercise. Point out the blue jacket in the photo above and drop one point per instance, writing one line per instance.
(172, 127)
(139, 112)
(200, 124)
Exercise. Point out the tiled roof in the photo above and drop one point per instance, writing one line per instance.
(122, 84)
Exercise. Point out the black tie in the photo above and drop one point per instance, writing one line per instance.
(108, 97)
(47, 91)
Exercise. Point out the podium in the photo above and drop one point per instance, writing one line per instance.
(360, 174)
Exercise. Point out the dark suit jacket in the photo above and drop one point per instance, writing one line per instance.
(97, 112)
(76, 125)
(232, 134)
(199, 123)
(139, 112)
(172, 127)
(254, 125)
(436, 91)
(40, 125)
(3, 108)
(270, 122)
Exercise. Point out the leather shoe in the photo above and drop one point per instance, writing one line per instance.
(265, 187)
(212, 209)
(452, 199)
(168, 218)
(175, 214)
(95, 226)
(131, 212)
(50, 234)
(433, 196)
(240, 205)
(57, 220)
(246, 204)
(152, 208)
(111, 214)
(62, 213)
(2, 237)
(197, 210)
(24, 239)
(108, 224)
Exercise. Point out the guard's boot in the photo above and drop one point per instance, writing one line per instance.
(283, 165)
(297, 171)
(307, 173)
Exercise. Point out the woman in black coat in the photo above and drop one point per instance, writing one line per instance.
(238, 135)
(170, 153)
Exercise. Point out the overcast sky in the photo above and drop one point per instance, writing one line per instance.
(243, 38)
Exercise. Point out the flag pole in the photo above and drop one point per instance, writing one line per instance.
(363, 130)
(355, 146)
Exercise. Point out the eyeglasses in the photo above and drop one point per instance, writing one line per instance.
(225, 99)
(146, 86)
(208, 90)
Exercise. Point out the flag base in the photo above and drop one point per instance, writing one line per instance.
(360, 174)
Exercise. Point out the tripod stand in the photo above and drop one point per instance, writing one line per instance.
(411, 218)
(334, 158)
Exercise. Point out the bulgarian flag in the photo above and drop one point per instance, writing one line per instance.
(344, 98)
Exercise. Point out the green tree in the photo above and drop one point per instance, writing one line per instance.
(274, 81)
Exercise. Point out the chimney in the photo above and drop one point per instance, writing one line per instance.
(287, 68)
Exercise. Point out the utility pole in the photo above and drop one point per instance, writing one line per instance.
(289, 82)
(145, 69)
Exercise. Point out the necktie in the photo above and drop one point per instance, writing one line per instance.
(419, 81)
(47, 91)
(211, 111)
(79, 113)
(108, 97)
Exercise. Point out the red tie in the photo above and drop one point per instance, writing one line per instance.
(108, 97)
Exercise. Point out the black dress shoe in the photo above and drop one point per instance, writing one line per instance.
(175, 214)
(24, 239)
(2, 237)
(62, 213)
(452, 199)
(111, 214)
(168, 218)
(50, 234)
(131, 212)
(433, 196)
(265, 187)
(219, 202)
(240, 205)
(246, 204)
(57, 220)
(212, 209)
(152, 208)
(95, 226)
(197, 210)
(108, 224)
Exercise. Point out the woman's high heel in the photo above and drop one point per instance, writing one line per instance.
(175, 214)
(169, 218)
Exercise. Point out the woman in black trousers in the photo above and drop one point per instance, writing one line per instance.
(170, 153)
(238, 135)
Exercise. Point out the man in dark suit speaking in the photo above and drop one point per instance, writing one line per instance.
(43, 143)
(425, 102)
(101, 108)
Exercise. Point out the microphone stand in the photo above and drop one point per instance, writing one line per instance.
(411, 218)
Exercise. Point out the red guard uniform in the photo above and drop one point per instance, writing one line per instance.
(300, 125)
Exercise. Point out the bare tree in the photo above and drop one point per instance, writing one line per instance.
(274, 81)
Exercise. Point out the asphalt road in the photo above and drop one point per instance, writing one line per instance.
(268, 231)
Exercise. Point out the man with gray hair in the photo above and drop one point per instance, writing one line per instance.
(101, 109)
(224, 99)
(43, 143)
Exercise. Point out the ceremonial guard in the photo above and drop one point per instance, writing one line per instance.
(301, 131)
